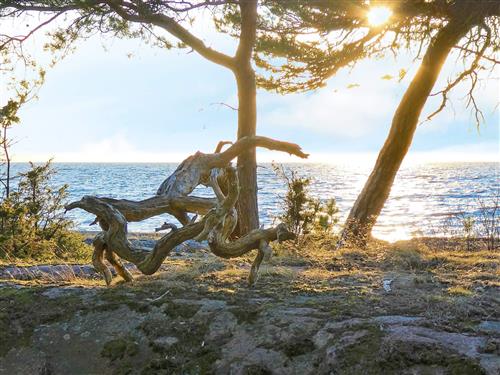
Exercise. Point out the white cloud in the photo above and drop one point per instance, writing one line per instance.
(488, 151)
(350, 113)
(363, 109)
(360, 111)
(478, 152)
(113, 149)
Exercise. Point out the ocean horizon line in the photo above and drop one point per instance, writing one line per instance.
(325, 162)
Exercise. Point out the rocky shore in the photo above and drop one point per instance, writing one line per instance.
(352, 313)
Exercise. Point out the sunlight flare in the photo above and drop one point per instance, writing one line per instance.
(379, 15)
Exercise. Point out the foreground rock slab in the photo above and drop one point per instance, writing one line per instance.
(130, 330)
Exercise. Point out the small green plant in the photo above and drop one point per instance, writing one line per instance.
(302, 213)
(468, 229)
(32, 221)
(328, 216)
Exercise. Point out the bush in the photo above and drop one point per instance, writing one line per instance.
(302, 213)
(476, 226)
(32, 221)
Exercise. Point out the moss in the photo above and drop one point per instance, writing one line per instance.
(299, 347)
(352, 305)
(14, 305)
(190, 355)
(362, 356)
(246, 314)
(202, 363)
(159, 366)
(430, 355)
(459, 365)
(181, 310)
(185, 360)
(19, 294)
(119, 348)
(119, 296)
(187, 357)
(120, 352)
(23, 309)
(256, 370)
(353, 290)
(366, 356)
(191, 337)
(156, 326)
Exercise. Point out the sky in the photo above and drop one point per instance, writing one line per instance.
(123, 101)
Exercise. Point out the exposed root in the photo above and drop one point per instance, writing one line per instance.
(217, 224)
(166, 226)
(98, 258)
(263, 254)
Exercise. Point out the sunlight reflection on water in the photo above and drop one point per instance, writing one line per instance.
(421, 197)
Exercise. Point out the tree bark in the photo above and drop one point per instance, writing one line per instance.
(217, 224)
(247, 207)
(377, 188)
(113, 242)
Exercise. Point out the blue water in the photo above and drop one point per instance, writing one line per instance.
(421, 197)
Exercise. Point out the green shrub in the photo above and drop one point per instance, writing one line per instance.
(302, 213)
(32, 221)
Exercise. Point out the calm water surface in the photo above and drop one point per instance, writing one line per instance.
(421, 197)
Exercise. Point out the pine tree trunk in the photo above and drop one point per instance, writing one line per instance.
(247, 206)
(372, 198)
(247, 165)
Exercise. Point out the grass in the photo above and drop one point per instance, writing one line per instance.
(437, 282)
(459, 291)
(316, 264)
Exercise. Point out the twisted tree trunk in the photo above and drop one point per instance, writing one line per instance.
(377, 188)
(216, 225)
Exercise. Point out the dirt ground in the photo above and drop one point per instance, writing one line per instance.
(392, 309)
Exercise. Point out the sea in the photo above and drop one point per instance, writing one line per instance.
(422, 199)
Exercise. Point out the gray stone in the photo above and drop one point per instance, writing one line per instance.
(165, 341)
(491, 364)
(321, 338)
(58, 292)
(466, 345)
(398, 319)
(70, 351)
(191, 247)
(222, 326)
(490, 326)
(348, 339)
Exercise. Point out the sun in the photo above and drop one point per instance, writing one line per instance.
(379, 15)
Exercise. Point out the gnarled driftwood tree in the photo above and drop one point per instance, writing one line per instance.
(173, 196)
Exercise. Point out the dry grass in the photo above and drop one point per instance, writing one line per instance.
(459, 291)
(442, 284)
